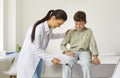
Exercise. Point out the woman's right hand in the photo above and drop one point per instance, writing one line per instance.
(56, 61)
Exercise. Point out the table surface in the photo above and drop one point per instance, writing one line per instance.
(107, 59)
(104, 59)
(8, 56)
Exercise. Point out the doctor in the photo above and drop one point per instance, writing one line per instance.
(29, 61)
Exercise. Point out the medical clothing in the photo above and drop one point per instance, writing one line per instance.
(32, 52)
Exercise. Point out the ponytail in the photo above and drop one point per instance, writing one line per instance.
(38, 22)
(59, 14)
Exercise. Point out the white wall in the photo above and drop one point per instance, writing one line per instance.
(1, 25)
(12, 24)
(9, 24)
(9, 32)
(19, 22)
(102, 17)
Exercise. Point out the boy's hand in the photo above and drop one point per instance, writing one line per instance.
(96, 60)
(69, 53)
(56, 61)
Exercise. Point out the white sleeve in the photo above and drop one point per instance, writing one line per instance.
(37, 45)
(56, 35)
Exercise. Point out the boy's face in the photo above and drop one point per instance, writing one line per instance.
(79, 25)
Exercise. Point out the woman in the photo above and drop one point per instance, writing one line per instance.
(29, 61)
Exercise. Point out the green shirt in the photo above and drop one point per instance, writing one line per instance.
(80, 40)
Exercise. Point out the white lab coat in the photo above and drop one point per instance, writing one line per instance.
(31, 53)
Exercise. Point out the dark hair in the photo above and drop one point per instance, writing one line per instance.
(80, 16)
(59, 14)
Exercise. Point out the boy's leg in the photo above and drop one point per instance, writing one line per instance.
(85, 62)
(67, 67)
(38, 70)
(66, 71)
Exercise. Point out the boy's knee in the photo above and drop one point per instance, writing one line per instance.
(69, 59)
(84, 63)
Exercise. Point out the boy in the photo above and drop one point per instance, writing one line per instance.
(82, 47)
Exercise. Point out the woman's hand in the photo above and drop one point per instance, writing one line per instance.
(56, 61)
(96, 60)
(67, 32)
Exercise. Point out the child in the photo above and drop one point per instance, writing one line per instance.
(82, 47)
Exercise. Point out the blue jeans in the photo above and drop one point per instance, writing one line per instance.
(37, 73)
(83, 59)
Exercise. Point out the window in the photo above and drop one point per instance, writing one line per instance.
(1, 25)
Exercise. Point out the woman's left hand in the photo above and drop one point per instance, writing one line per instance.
(67, 32)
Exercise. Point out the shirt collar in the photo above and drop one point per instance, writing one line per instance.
(46, 26)
(80, 30)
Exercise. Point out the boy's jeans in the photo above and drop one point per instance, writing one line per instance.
(84, 61)
(38, 70)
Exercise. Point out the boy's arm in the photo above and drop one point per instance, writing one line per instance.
(64, 43)
(94, 50)
(93, 46)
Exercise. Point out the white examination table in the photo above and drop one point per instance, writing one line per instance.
(105, 69)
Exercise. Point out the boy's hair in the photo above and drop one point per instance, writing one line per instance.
(80, 16)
